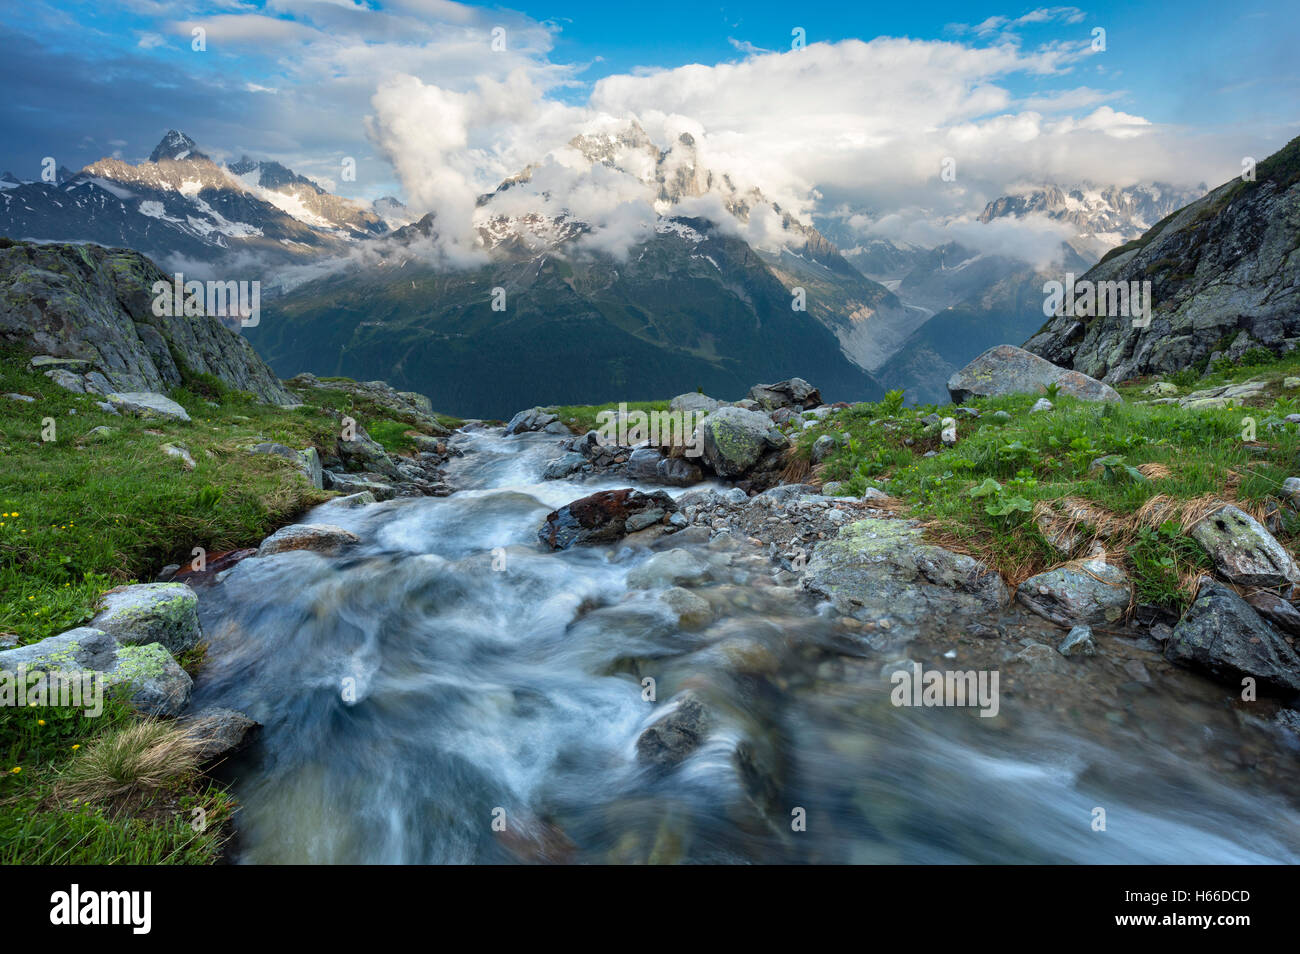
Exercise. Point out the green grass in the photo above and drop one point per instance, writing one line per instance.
(581, 418)
(982, 493)
(80, 515)
(43, 743)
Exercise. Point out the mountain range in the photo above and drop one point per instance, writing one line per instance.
(713, 286)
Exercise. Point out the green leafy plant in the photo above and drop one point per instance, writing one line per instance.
(892, 403)
(1115, 470)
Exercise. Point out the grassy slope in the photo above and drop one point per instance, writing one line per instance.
(79, 516)
(1034, 460)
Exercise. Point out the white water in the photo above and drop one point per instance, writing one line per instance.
(472, 690)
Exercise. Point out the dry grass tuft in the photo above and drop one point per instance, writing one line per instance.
(139, 758)
(1154, 471)
(797, 469)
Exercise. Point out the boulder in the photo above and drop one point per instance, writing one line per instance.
(678, 472)
(796, 392)
(317, 537)
(1090, 593)
(1275, 610)
(165, 613)
(1223, 635)
(307, 461)
(533, 419)
(181, 453)
(694, 402)
(823, 447)
(564, 465)
(353, 484)
(691, 610)
(670, 568)
(364, 454)
(676, 735)
(1243, 551)
(154, 683)
(219, 732)
(1006, 369)
(883, 569)
(601, 517)
(735, 439)
(147, 404)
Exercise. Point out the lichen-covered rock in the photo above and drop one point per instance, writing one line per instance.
(166, 613)
(735, 439)
(601, 517)
(147, 404)
(1006, 369)
(151, 678)
(883, 569)
(1090, 593)
(1243, 551)
(317, 537)
(1223, 635)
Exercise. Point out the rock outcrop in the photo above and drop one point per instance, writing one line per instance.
(1224, 277)
(95, 305)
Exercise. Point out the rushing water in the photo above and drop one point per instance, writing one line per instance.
(412, 694)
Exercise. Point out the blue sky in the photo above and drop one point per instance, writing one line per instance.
(1180, 91)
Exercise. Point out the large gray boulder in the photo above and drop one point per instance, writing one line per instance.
(166, 613)
(151, 678)
(735, 439)
(883, 569)
(694, 402)
(1243, 551)
(147, 404)
(1223, 635)
(1092, 593)
(533, 419)
(1006, 369)
(796, 393)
